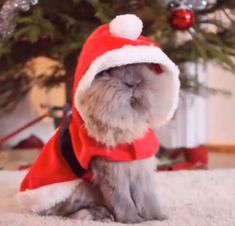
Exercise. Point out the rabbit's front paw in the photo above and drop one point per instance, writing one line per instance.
(96, 213)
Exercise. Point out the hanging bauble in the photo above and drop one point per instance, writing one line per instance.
(192, 4)
(8, 14)
(182, 18)
(196, 4)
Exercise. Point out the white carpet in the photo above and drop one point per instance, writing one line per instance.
(190, 198)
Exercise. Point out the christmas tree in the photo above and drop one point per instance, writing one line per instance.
(58, 29)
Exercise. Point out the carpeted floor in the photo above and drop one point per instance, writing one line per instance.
(190, 198)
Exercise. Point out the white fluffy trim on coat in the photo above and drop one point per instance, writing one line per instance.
(47, 196)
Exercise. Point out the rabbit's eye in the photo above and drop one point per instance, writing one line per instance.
(101, 74)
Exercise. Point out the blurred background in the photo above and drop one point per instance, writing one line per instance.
(40, 42)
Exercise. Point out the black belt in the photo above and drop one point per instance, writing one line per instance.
(67, 150)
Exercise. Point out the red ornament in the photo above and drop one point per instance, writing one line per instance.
(182, 19)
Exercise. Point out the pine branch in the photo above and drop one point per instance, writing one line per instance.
(41, 32)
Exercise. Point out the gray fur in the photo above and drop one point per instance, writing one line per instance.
(85, 204)
(85, 195)
(119, 107)
(95, 212)
(121, 104)
(128, 189)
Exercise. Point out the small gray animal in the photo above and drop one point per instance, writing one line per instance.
(100, 164)
(119, 107)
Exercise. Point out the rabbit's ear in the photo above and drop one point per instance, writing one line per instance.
(157, 68)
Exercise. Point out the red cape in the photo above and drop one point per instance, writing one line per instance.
(51, 166)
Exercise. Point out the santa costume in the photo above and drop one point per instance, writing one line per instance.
(64, 161)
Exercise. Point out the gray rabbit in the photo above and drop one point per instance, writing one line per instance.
(124, 88)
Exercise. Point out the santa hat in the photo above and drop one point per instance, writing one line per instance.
(53, 177)
(120, 43)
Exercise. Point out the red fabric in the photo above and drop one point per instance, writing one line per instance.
(197, 154)
(50, 167)
(30, 142)
(86, 147)
(100, 42)
(181, 166)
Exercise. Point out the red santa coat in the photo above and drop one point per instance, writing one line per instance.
(64, 161)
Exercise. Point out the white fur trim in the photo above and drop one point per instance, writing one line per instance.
(138, 54)
(127, 26)
(47, 196)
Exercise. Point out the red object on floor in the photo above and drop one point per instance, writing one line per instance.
(192, 158)
(25, 167)
(195, 158)
(188, 166)
(31, 142)
(9, 136)
(181, 166)
(197, 155)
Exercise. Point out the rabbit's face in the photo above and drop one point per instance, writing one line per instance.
(121, 104)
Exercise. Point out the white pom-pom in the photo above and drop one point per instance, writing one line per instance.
(127, 26)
